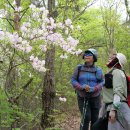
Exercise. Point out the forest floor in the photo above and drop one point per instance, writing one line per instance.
(72, 121)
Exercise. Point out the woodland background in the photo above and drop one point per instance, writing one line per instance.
(45, 100)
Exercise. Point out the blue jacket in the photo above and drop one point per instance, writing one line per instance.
(88, 75)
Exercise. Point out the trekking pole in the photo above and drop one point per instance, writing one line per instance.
(84, 113)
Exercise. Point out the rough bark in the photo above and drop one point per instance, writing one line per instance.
(48, 94)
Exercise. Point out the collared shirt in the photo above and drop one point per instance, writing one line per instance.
(119, 87)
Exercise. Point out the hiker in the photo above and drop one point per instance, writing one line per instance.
(88, 81)
(114, 96)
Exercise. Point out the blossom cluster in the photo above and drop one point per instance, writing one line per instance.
(42, 30)
(37, 64)
(19, 43)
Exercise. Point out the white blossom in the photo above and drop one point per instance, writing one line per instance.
(79, 51)
(64, 56)
(40, 30)
(2, 35)
(60, 25)
(18, 9)
(78, 27)
(66, 31)
(42, 9)
(72, 41)
(31, 57)
(38, 64)
(3, 13)
(30, 75)
(14, 3)
(43, 48)
(32, 6)
(62, 99)
(68, 22)
(71, 27)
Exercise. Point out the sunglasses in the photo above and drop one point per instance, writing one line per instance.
(88, 54)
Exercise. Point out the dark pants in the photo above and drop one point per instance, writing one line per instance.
(92, 110)
(101, 124)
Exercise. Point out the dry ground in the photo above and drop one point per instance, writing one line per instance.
(71, 123)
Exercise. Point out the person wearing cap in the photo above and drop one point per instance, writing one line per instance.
(88, 81)
(115, 94)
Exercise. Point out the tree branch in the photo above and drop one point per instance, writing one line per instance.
(7, 19)
(24, 11)
(14, 99)
(44, 3)
(10, 24)
(87, 6)
(11, 5)
(26, 85)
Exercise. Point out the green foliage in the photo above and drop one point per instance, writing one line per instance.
(16, 129)
(91, 33)
(96, 26)
(5, 110)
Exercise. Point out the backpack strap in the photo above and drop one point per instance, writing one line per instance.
(79, 68)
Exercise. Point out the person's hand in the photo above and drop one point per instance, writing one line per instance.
(117, 105)
(112, 116)
(89, 89)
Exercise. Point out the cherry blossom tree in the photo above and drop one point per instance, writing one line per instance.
(39, 31)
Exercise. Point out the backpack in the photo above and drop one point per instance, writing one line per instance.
(108, 84)
(108, 80)
(128, 90)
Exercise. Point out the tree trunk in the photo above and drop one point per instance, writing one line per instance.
(127, 8)
(48, 94)
(13, 71)
(17, 16)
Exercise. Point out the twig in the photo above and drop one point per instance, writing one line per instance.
(6, 19)
(11, 5)
(10, 24)
(83, 11)
(25, 86)
(14, 100)
(44, 3)
(23, 13)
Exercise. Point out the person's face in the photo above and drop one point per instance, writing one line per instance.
(111, 57)
(88, 57)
